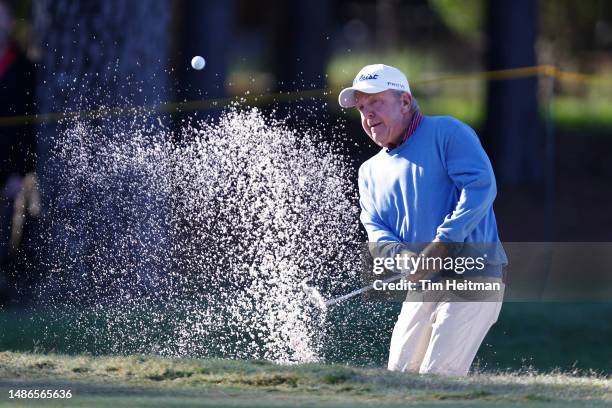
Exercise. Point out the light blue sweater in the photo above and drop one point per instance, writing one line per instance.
(437, 184)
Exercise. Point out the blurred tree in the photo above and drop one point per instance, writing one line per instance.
(568, 27)
(17, 83)
(577, 24)
(512, 124)
(571, 29)
(202, 27)
(301, 43)
(386, 24)
(99, 53)
(464, 17)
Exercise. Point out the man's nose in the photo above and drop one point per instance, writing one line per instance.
(369, 113)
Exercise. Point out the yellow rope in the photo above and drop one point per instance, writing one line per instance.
(170, 107)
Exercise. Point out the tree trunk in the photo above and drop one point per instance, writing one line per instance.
(99, 53)
(513, 129)
(203, 27)
(301, 43)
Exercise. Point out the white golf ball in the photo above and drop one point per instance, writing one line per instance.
(198, 62)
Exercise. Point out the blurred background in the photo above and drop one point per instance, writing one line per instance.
(533, 78)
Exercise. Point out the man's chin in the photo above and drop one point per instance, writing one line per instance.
(384, 144)
(378, 141)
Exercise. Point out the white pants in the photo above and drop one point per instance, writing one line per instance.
(440, 337)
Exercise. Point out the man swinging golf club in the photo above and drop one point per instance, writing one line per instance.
(431, 183)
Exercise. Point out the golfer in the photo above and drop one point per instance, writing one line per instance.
(431, 183)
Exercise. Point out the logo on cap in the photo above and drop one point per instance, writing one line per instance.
(395, 84)
(367, 77)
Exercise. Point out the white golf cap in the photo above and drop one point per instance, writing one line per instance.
(373, 79)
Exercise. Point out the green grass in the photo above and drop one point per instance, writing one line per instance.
(582, 113)
(576, 105)
(154, 381)
(542, 336)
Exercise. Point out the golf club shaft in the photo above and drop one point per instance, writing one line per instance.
(354, 293)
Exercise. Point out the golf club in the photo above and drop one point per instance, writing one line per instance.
(318, 299)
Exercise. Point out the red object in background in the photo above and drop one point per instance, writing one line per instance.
(17, 86)
(6, 60)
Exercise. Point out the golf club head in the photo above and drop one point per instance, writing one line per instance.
(314, 296)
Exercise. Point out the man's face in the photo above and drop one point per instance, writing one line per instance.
(384, 116)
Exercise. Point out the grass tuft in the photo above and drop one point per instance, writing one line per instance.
(313, 382)
(168, 374)
(43, 365)
(463, 395)
(337, 377)
(269, 380)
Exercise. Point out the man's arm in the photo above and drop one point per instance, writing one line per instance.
(376, 228)
(383, 243)
(470, 170)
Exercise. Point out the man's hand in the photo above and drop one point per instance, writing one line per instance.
(406, 261)
(436, 249)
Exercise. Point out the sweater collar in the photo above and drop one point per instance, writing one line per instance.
(415, 121)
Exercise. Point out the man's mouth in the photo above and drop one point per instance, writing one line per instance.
(374, 125)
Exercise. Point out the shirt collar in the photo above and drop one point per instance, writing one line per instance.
(415, 121)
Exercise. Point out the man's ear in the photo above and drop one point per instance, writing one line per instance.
(406, 102)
